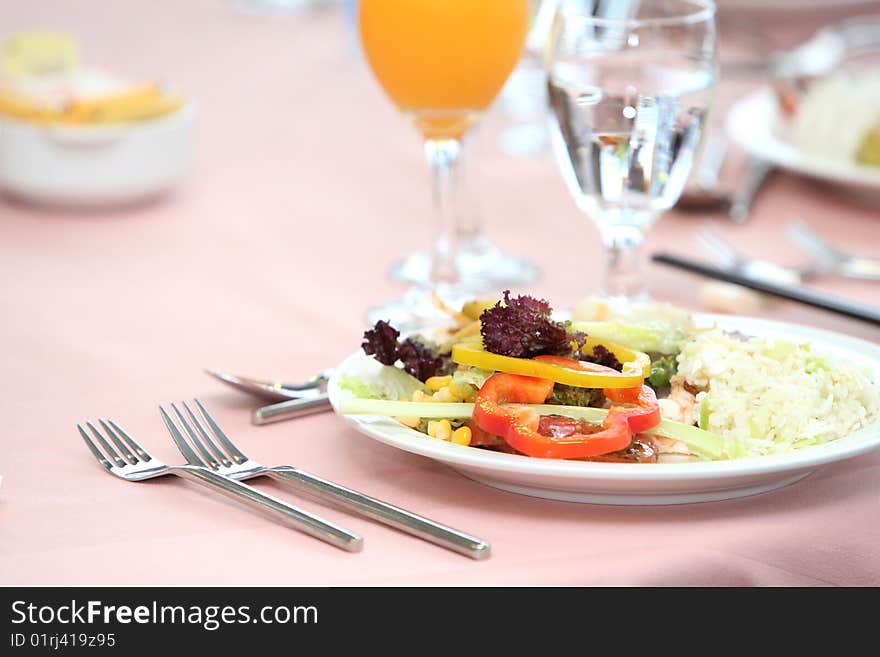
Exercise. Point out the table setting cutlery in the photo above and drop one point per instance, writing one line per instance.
(291, 409)
(756, 173)
(825, 258)
(734, 258)
(830, 257)
(276, 390)
(706, 194)
(214, 461)
(290, 400)
(223, 457)
(133, 463)
(822, 300)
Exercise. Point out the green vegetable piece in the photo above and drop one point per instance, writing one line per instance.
(658, 337)
(358, 387)
(662, 370)
(703, 442)
(705, 412)
(391, 383)
(574, 396)
(474, 376)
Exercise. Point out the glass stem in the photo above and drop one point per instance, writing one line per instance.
(443, 157)
(469, 222)
(623, 279)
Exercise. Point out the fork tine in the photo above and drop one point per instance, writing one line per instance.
(108, 450)
(807, 238)
(231, 449)
(126, 452)
(190, 456)
(206, 439)
(94, 448)
(136, 448)
(206, 456)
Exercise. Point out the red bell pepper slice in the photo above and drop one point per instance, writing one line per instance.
(518, 426)
(643, 412)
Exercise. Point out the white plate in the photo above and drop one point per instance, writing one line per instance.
(629, 483)
(754, 123)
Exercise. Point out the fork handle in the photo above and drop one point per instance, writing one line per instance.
(273, 507)
(291, 408)
(756, 173)
(388, 514)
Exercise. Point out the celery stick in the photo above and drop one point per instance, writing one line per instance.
(704, 442)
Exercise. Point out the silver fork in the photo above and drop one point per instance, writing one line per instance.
(830, 256)
(135, 464)
(231, 462)
(732, 257)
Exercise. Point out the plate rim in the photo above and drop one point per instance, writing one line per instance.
(863, 441)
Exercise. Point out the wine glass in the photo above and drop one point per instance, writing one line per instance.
(630, 85)
(442, 62)
(481, 263)
(521, 103)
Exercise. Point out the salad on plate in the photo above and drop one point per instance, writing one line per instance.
(634, 384)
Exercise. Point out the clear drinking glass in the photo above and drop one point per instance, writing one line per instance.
(630, 85)
(442, 62)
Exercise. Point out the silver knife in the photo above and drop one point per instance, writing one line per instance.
(290, 409)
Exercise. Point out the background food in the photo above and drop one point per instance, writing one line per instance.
(839, 118)
(42, 81)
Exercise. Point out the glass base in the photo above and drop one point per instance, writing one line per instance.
(483, 268)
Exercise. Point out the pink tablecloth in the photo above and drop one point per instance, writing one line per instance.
(307, 186)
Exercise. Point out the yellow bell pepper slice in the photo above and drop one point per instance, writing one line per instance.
(636, 366)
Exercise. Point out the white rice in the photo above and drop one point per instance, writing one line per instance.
(767, 396)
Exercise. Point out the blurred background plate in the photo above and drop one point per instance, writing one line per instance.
(754, 124)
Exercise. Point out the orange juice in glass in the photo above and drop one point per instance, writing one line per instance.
(442, 62)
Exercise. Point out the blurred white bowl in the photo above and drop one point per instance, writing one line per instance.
(93, 166)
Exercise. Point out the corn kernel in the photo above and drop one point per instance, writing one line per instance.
(411, 422)
(419, 396)
(444, 430)
(440, 429)
(435, 383)
(462, 436)
(446, 395)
